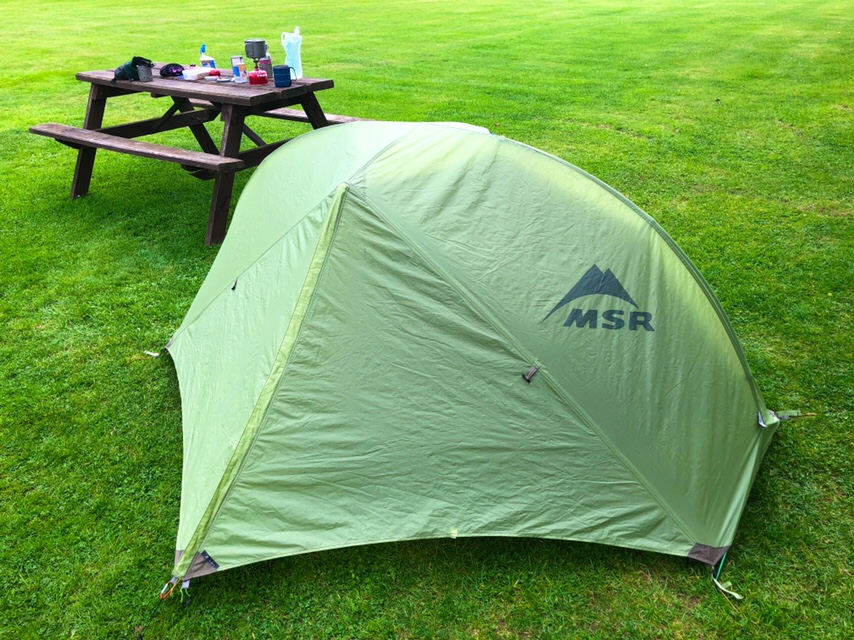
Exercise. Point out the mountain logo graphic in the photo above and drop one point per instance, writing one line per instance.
(595, 281)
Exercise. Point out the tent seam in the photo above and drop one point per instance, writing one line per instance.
(194, 546)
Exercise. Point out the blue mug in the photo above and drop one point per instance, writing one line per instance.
(283, 75)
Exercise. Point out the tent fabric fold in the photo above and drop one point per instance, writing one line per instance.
(366, 380)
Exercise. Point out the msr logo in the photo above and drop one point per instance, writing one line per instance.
(595, 281)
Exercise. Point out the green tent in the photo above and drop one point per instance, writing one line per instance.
(428, 331)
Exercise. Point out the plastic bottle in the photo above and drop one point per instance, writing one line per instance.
(291, 42)
(204, 59)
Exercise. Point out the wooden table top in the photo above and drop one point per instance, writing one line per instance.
(221, 92)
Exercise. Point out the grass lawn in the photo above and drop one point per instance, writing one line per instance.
(731, 123)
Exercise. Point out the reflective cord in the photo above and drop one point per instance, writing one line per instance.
(165, 592)
(141, 629)
(725, 587)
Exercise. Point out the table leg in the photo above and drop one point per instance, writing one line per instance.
(312, 109)
(86, 156)
(199, 131)
(233, 118)
(254, 137)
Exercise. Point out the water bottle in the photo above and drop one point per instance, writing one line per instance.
(291, 42)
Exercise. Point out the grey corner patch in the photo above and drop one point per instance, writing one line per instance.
(706, 554)
(201, 565)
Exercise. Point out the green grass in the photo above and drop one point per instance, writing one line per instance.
(731, 123)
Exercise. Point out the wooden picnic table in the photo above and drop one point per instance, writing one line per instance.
(193, 103)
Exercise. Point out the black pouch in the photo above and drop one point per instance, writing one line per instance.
(128, 70)
(171, 70)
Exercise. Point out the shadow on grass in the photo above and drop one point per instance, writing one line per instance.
(134, 202)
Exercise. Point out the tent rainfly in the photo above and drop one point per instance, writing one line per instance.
(424, 330)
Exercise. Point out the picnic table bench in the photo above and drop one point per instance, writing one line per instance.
(193, 103)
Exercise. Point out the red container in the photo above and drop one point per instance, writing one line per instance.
(259, 76)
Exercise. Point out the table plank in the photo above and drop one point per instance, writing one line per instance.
(226, 92)
(85, 138)
(295, 115)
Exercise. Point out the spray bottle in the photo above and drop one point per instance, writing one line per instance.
(291, 42)
(204, 59)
